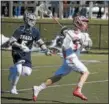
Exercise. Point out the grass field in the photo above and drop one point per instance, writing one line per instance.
(96, 87)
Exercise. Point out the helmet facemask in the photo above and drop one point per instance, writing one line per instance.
(30, 19)
(81, 23)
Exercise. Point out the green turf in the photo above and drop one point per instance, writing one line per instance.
(96, 92)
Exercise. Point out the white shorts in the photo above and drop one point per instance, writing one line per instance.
(26, 71)
(71, 63)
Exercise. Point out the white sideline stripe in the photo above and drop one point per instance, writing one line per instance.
(94, 73)
(64, 85)
(38, 70)
(47, 66)
(36, 67)
(90, 82)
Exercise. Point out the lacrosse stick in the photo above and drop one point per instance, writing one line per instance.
(43, 8)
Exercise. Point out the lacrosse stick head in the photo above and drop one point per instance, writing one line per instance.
(43, 8)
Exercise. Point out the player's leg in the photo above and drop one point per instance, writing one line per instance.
(44, 85)
(26, 71)
(15, 71)
(63, 70)
(16, 76)
(82, 69)
(21, 70)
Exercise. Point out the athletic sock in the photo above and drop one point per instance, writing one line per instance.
(79, 87)
(42, 86)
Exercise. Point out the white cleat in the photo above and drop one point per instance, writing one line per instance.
(14, 91)
(35, 92)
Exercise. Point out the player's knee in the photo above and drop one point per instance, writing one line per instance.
(26, 71)
(18, 69)
(56, 78)
(86, 72)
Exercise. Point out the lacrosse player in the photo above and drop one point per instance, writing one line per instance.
(71, 47)
(21, 42)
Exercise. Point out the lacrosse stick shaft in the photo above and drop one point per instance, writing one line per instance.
(42, 8)
(60, 24)
(57, 21)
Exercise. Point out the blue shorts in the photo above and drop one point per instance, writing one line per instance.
(63, 70)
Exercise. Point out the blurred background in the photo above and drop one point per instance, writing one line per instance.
(96, 58)
(60, 9)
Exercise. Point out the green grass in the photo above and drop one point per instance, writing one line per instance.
(96, 92)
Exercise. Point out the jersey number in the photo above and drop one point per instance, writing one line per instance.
(24, 42)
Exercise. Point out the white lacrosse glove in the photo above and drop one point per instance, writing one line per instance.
(88, 44)
(24, 48)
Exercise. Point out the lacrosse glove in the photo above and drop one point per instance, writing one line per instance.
(24, 48)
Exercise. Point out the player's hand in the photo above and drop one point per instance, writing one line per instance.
(48, 52)
(24, 48)
(63, 29)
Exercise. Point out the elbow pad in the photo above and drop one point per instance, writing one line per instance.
(12, 40)
(41, 44)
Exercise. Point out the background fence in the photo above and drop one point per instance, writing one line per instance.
(98, 32)
(61, 8)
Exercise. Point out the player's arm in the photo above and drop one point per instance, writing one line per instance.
(14, 38)
(90, 43)
(13, 41)
(43, 46)
(41, 43)
(87, 42)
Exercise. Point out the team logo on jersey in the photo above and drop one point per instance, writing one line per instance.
(24, 37)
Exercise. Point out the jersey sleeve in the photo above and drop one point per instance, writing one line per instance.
(87, 40)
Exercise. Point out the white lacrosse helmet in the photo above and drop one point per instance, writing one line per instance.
(81, 22)
(30, 19)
